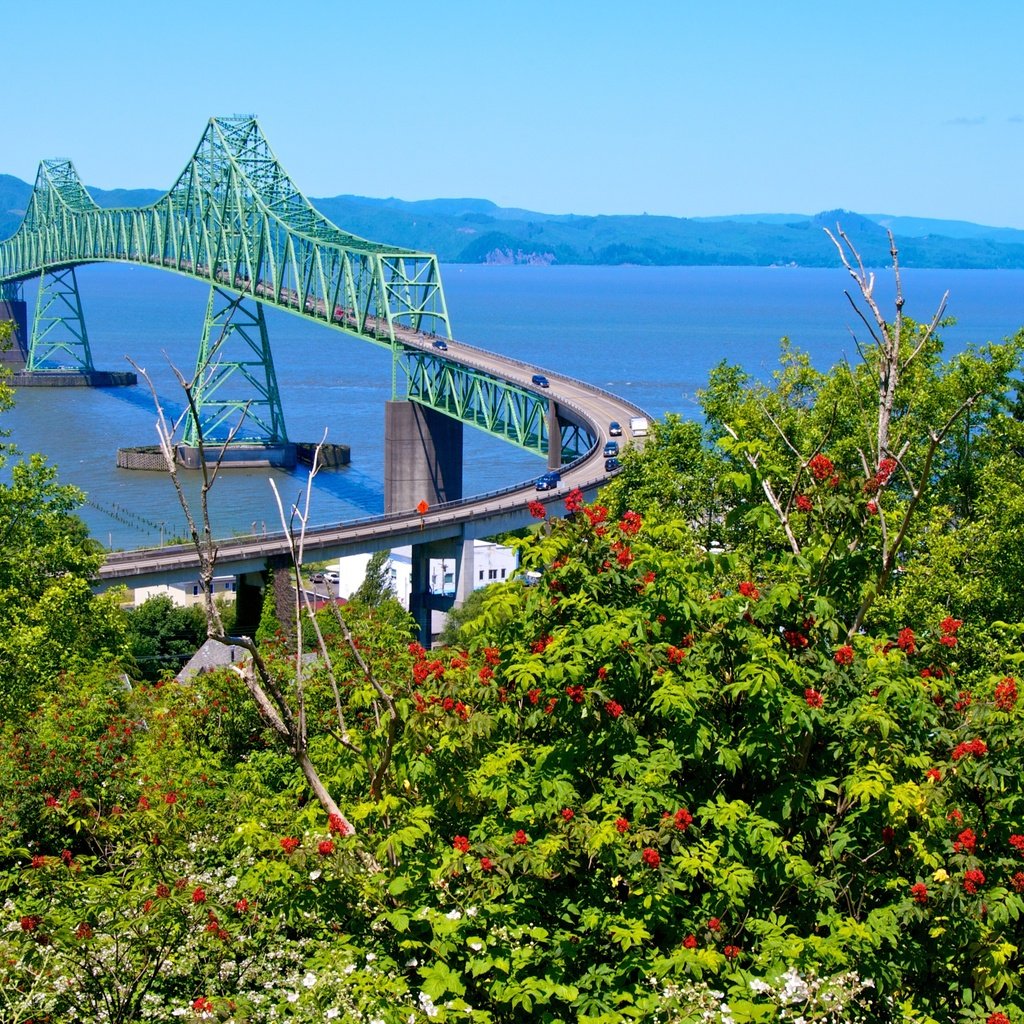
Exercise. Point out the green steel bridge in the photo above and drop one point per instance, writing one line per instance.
(236, 220)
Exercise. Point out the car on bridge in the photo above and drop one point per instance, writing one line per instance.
(612, 464)
(441, 345)
(611, 449)
(540, 380)
(614, 429)
(549, 480)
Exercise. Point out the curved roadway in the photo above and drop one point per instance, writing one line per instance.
(479, 515)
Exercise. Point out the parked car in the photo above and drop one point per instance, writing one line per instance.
(611, 449)
(441, 345)
(332, 577)
(614, 429)
(548, 481)
(610, 464)
(540, 380)
(316, 577)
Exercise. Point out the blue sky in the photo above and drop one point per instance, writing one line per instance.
(677, 108)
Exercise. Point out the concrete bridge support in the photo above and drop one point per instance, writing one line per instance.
(16, 356)
(422, 602)
(422, 456)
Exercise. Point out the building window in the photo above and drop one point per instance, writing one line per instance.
(481, 574)
(502, 573)
(492, 574)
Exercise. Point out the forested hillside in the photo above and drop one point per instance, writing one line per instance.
(750, 750)
(478, 231)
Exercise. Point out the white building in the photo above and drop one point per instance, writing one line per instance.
(492, 563)
(186, 594)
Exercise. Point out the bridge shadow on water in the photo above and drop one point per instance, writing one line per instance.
(140, 397)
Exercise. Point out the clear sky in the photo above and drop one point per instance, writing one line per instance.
(909, 107)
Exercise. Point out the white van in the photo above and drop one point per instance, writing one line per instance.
(638, 426)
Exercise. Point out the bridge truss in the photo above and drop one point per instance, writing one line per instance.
(235, 219)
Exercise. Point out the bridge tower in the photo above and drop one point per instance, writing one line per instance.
(59, 338)
(234, 389)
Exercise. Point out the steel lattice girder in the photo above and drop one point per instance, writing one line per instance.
(236, 219)
(235, 347)
(511, 413)
(59, 338)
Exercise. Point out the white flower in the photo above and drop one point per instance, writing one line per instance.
(350, 968)
(428, 1005)
(759, 985)
(412, 963)
(476, 946)
(453, 915)
(314, 875)
(309, 980)
(370, 957)
(231, 881)
(293, 997)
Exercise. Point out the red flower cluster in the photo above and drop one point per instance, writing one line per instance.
(675, 654)
(30, 922)
(486, 674)
(1006, 694)
(813, 698)
(83, 931)
(684, 819)
(520, 838)
(622, 825)
(537, 510)
(568, 813)
(975, 747)
(821, 467)
(289, 844)
(1018, 881)
(872, 507)
(906, 641)
(486, 864)
(714, 924)
(574, 500)
(690, 942)
(997, 1018)
(162, 891)
(885, 470)
(920, 892)
(541, 644)
(614, 708)
(844, 655)
(461, 843)
(732, 952)
(625, 558)
(336, 825)
(577, 694)
(748, 590)
(1017, 842)
(630, 523)
(242, 905)
(965, 842)
(963, 700)
(492, 655)
(650, 857)
(596, 514)
(795, 639)
(934, 774)
(534, 695)
(804, 504)
(973, 877)
(202, 1005)
(198, 895)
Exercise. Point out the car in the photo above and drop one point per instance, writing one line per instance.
(610, 464)
(548, 481)
(611, 449)
(332, 577)
(614, 429)
(441, 345)
(540, 380)
(316, 577)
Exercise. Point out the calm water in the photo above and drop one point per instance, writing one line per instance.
(649, 334)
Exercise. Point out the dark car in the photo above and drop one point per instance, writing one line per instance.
(614, 429)
(316, 577)
(441, 344)
(611, 449)
(540, 380)
(549, 481)
(610, 464)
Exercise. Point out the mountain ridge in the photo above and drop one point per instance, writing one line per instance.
(470, 230)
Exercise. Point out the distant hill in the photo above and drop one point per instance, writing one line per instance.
(478, 231)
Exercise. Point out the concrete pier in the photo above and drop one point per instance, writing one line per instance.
(422, 456)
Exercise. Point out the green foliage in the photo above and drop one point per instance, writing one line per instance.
(376, 584)
(163, 635)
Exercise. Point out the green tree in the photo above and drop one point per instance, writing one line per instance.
(376, 584)
(163, 635)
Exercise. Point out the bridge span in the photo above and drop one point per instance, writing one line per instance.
(235, 219)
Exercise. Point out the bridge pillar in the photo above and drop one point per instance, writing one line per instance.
(16, 310)
(422, 456)
(554, 436)
(422, 601)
